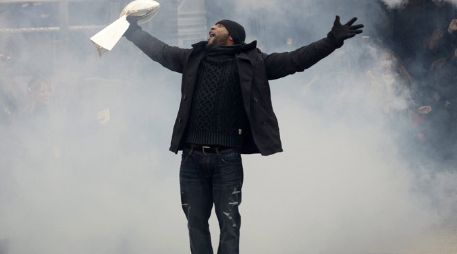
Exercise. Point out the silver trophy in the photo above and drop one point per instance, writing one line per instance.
(108, 37)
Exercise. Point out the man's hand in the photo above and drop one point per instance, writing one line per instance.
(133, 20)
(340, 32)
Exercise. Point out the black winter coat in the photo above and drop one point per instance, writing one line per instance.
(255, 69)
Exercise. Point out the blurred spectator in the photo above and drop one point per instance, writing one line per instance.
(8, 105)
(424, 40)
(37, 120)
(39, 92)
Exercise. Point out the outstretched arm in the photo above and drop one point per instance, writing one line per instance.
(279, 65)
(170, 57)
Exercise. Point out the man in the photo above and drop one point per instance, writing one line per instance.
(226, 111)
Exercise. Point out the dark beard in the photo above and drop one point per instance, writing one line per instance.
(221, 40)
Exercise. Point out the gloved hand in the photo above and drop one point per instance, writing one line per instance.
(133, 20)
(339, 32)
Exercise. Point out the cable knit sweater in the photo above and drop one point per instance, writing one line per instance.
(217, 114)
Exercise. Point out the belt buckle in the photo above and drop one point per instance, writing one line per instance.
(205, 147)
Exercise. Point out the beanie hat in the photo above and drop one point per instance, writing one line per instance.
(235, 30)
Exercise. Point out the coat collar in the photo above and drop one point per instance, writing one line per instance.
(244, 47)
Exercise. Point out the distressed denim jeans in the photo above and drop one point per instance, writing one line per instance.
(207, 179)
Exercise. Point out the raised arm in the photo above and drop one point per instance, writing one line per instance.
(279, 65)
(172, 58)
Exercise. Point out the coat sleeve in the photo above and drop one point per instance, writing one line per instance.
(172, 58)
(279, 65)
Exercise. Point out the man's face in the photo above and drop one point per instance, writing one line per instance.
(219, 35)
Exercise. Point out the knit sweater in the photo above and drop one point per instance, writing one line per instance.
(217, 114)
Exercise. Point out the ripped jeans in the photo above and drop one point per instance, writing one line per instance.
(207, 178)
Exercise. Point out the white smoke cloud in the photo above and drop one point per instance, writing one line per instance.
(400, 3)
(395, 3)
(77, 181)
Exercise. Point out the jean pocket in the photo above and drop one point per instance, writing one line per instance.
(233, 157)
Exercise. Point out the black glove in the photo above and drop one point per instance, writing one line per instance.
(339, 32)
(133, 20)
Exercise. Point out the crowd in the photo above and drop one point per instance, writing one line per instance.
(422, 36)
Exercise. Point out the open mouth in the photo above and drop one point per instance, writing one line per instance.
(211, 35)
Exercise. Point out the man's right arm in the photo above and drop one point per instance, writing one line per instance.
(170, 57)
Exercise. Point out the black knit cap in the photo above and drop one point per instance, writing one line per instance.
(235, 30)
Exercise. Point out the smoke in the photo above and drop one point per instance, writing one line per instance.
(86, 167)
(395, 3)
(401, 3)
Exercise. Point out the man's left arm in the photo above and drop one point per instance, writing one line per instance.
(279, 65)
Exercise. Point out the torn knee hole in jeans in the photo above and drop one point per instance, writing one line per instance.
(184, 204)
(230, 217)
(233, 202)
(236, 196)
